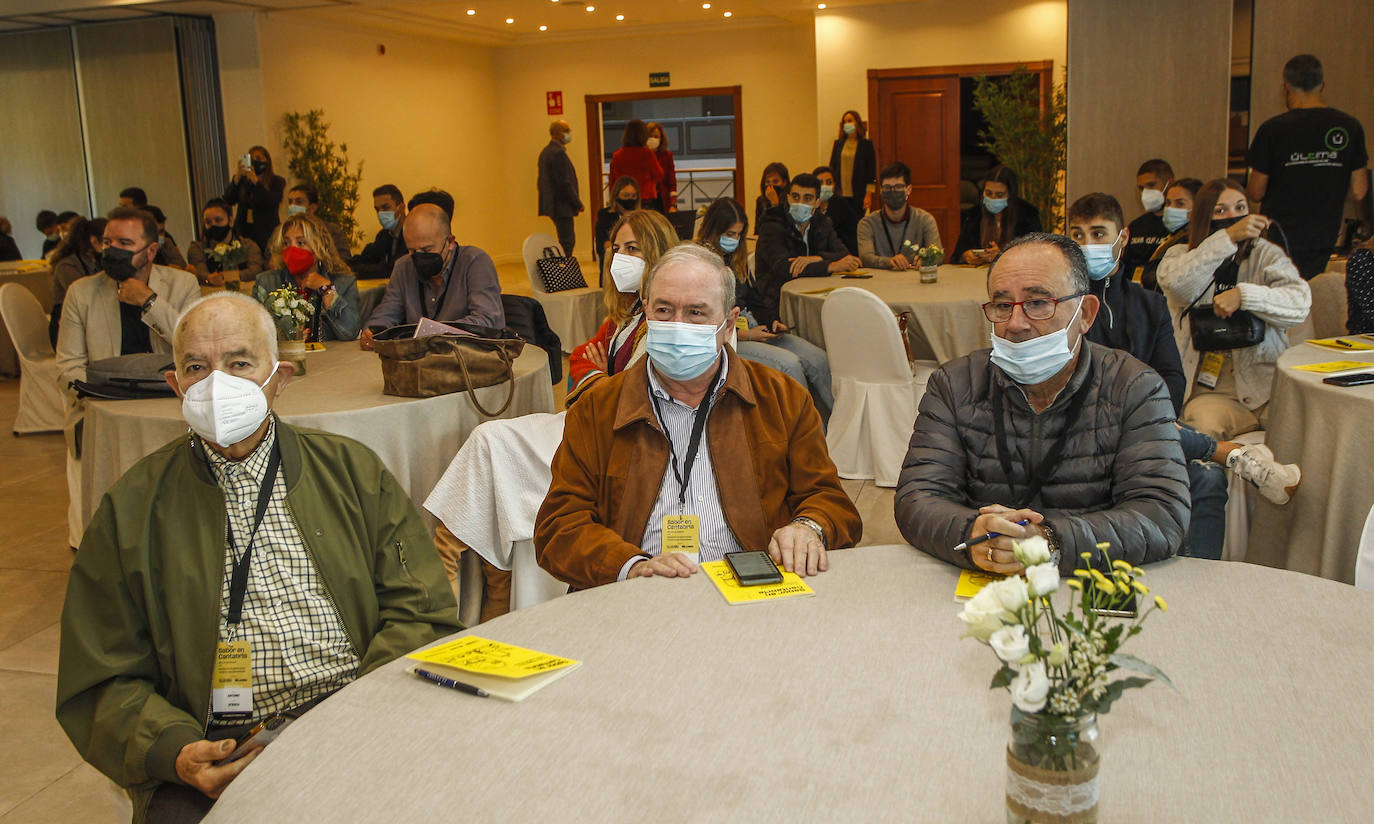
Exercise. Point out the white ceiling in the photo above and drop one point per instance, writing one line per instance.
(563, 19)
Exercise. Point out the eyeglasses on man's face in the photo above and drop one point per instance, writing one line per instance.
(999, 311)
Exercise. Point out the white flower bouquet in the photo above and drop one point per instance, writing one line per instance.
(927, 255)
(291, 311)
(230, 255)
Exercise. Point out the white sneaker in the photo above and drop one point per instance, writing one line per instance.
(1255, 463)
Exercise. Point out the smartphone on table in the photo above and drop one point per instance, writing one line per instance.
(1355, 379)
(753, 568)
(260, 735)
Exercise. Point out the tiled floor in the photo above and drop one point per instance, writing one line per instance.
(42, 779)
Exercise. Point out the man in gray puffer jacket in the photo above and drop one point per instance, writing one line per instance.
(1073, 438)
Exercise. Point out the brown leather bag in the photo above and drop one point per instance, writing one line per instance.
(444, 364)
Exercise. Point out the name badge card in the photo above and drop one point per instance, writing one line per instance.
(231, 685)
(681, 533)
(1210, 369)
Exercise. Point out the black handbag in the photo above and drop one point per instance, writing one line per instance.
(1211, 333)
(559, 272)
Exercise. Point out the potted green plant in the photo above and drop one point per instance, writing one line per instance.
(317, 162)
(1028, 136)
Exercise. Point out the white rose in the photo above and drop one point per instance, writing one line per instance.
(1011, 592)
(983, 613)
(1032, 551)
(1043, 579)
(1030, 687)
(1011, 644)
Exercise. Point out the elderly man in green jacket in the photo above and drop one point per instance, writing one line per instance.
(242, 572)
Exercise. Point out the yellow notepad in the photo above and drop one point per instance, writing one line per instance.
(506, 671)
(723, 577)
(1342, 344)
(827, 290)
(970, 583)
(1332, 367)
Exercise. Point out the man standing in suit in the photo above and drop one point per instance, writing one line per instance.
(558, 198)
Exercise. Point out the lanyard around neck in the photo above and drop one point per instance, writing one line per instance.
(1038, 474)
(702, 412)
(905, 222)
(238, 578)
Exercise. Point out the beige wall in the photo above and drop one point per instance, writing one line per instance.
(774, 66)
(1339, 35)
(42, 164)
(1117, 119)
(850, 41)
(240, 78)
(421, 115)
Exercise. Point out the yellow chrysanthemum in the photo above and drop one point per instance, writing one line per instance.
(1074, 583)
(1138, 572)
(1107, 587)
(1081, 573)
(1141, 588)
(1162, 604)
(1104, 545)
(1122, 565)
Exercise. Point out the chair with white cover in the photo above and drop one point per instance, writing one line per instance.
(1364, 561)
(876, 389)
(41, 408)
(1329, 310)
(574, 315)
(490, 495)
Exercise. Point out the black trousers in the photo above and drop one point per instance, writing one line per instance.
(567, 238)
(1311, 262)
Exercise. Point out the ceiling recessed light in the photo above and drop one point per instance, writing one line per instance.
(591, 8)
(728, 14)
(510, 20)
(543, 28)
(706, 5)
(620, 17)
(471, 12)
(820, 5)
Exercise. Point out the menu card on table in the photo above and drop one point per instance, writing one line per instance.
(506, 671)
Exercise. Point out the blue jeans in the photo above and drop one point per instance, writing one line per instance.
(800, 360)
(1207, 483)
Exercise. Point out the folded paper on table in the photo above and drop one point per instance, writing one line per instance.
(315, 346)
(428, 327)
(723, 577)
(1342, 344)
(970, 583)
(505, 671)
(1332, 367)
(827, 290)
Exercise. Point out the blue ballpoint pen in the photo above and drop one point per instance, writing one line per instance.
(988, 537)
(435, 678)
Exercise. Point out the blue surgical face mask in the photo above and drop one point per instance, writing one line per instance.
(849, 128)
(994, 204)
(728, 244)
(800, 212)
(827, 192)
(388, 220)
(682, 351)
(1175, 218)
(295, 209)
(1033, 361)
(1101, 258)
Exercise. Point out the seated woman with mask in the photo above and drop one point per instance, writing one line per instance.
(999, 218)
(624, 199)
(218, 228)
(304, 259)
(1178, 205)
(723, 228)
(638, 240)
(1228, 273)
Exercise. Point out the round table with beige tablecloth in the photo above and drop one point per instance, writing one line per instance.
(860, 704)
(1327, 431)
(947, 316)
(416, 438)
(36, 276)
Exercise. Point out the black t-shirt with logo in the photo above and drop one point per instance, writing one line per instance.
(1147, 232)
(1308, 155)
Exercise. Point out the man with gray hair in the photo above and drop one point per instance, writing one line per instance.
(558, 197)
(692, 453)
(1045, 434)
(320, 566)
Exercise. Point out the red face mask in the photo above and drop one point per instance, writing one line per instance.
(297, 259)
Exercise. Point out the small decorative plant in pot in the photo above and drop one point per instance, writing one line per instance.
(227, 258)
(291, 312)
(1058, 667)
(929, 258)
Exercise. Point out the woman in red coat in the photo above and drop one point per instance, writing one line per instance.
(635, 159)
(667, 189)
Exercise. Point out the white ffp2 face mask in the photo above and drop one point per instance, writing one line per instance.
(225, 409)
(1033, 361)
(1151, 199)
(627, 271)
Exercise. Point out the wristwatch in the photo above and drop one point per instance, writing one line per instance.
(148, 304)
(1052, 538)
(814, 527)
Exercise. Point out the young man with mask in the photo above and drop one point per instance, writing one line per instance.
(889, 237)
(558, 197)
(796, 241)
(321, 565)
(1075, 439)
(378, 257)
(438, 279)
(840, 210)
(130, 306)
(1152, 180)
(692, 448)
(304, 200)
(1303, 164)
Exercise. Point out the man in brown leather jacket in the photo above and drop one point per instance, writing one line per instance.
(693, 451)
